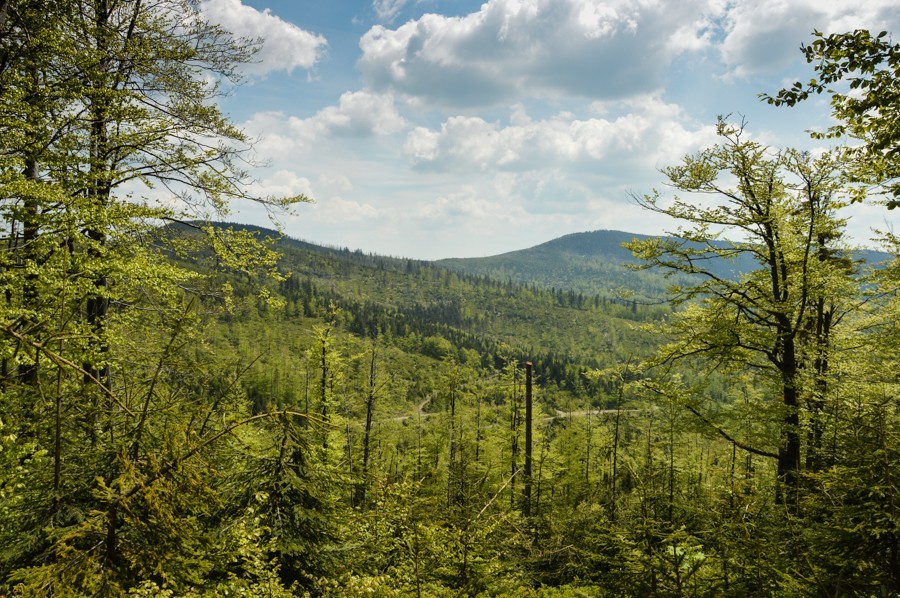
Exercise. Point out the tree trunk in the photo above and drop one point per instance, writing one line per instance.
(528, 440)
(613, 483)
(28, 372)
(324, 394)
(514, 430)
(815, 454)
(96, 367)
(4, 14)
(370, 412)
(789, 451)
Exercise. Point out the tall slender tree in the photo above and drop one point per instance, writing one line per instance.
(780, 208)
(96, 95)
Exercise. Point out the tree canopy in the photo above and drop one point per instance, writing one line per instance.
(868, 108)
(780, 207)
(103, 378)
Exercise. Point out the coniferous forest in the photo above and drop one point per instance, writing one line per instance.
(195, 408)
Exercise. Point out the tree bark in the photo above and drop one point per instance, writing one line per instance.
(367, 436)
(789, 451)
(28, 372)
(528, 440)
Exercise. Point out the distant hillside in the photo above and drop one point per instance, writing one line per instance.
(430, 309)
(590, 263)
(593, 263)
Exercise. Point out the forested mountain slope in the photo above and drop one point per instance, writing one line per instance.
(467, 316)
(596, 263)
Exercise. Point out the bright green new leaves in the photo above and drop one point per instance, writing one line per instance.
(105, 377)
(869, 110)
(778, 207)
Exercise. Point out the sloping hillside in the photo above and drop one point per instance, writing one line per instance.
(593, 263)
(590, 262)
(439, 311)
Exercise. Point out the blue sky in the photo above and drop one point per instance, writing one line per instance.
(430, 128)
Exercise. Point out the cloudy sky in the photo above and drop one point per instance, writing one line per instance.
(451, 128)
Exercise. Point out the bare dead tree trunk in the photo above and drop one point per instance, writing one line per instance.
(323, 397)
(528, 439)
(613, 483)
(453, 466)
(587, 453)
(478, 428)
(370, 413)
(514, 430)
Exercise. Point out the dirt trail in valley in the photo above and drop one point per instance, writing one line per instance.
(420, 411)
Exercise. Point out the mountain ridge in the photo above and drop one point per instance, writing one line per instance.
(588, 262)
(594, 262)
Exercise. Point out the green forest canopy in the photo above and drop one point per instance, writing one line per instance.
(197, 410)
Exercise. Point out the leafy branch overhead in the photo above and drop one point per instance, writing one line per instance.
(867, 106)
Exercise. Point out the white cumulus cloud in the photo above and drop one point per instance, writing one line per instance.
(340, 211)
(282, 183)
(767, 34)
(285, 46)
(466, 204)
(650, 133)
(510, 49)
(357, 114)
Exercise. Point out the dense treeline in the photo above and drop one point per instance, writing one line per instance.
(674, 488)
(315, 258)
(443, 330)
(593, 264)
(498, 320)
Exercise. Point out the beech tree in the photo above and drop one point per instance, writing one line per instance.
(104, 377)
(779, 208)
